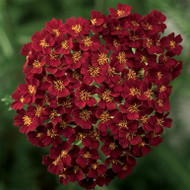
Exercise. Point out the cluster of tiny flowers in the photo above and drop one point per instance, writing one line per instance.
(97, 92)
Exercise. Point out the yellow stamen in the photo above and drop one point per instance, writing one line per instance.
(31, 89)
(85, 115)
(104, 117)
(133, 108)
(120, 12)
(94, 71)
(77, 28)
(85, 95)
(172, 44)
(159, 75)
(87, 41)
(106, 96)
(76, 56)
(43, 43)
(112, 146)
(36, 64)
(162, 88)
(65, 45)
(56, 31)
(131, 74)
(51, 133)
(39, 111)
(102, 58)
(53, 114)
(27, 120)
(121, 57)
(87, 155)
(134, 91)
(122, 123)
(58, 84)
(93, 21)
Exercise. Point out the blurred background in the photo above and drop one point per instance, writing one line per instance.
(166, 167)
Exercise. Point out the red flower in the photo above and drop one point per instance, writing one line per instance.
(122, 11)
(26, 121)
(84, 117)
(78, 27)
(58, 86)
(42, 42)
(84, 96)
(86, 155)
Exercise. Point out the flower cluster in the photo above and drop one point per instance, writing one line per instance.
(97, 92)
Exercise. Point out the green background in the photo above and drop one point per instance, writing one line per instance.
(166, 167)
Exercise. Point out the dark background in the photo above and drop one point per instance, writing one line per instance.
(166, 167)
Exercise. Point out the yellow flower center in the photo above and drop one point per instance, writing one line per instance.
(38, 111)
(116, 43)
(160, 121)
(162, 88)
(106, 96)
(31, 89)
(36, 64)
(119, 27)
(56, 31)
(160, 102)
(85, 115)
(51, 133)
(77, 28)
(87, 41)
(58, 84)
(144, 118)
(43, 43)
(122, 123)
(94, 71)
(76, 56)
(172, 44)
(149, 26)
(133, 108)
(120, 12)
(131, 74)
(22, 99)
(149, 94)
(63, 124)
(64, 154)
(85, 95)
(53, 114)
(112, 146)
(111, 71)
(64, 44)
(87, 155)
(143, 59)
(93, 21)
(104, 117)
(67, 103)
(53, 56)
(121, 57)
(134, 23)
(80, 136)
(134, 91)
(148, 42)
(102, 58)
(27, 120)
(38, 135)
(159, 75)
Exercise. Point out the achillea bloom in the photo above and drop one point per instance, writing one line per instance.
(97, 92)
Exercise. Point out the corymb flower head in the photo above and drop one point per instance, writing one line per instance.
(97, 92)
